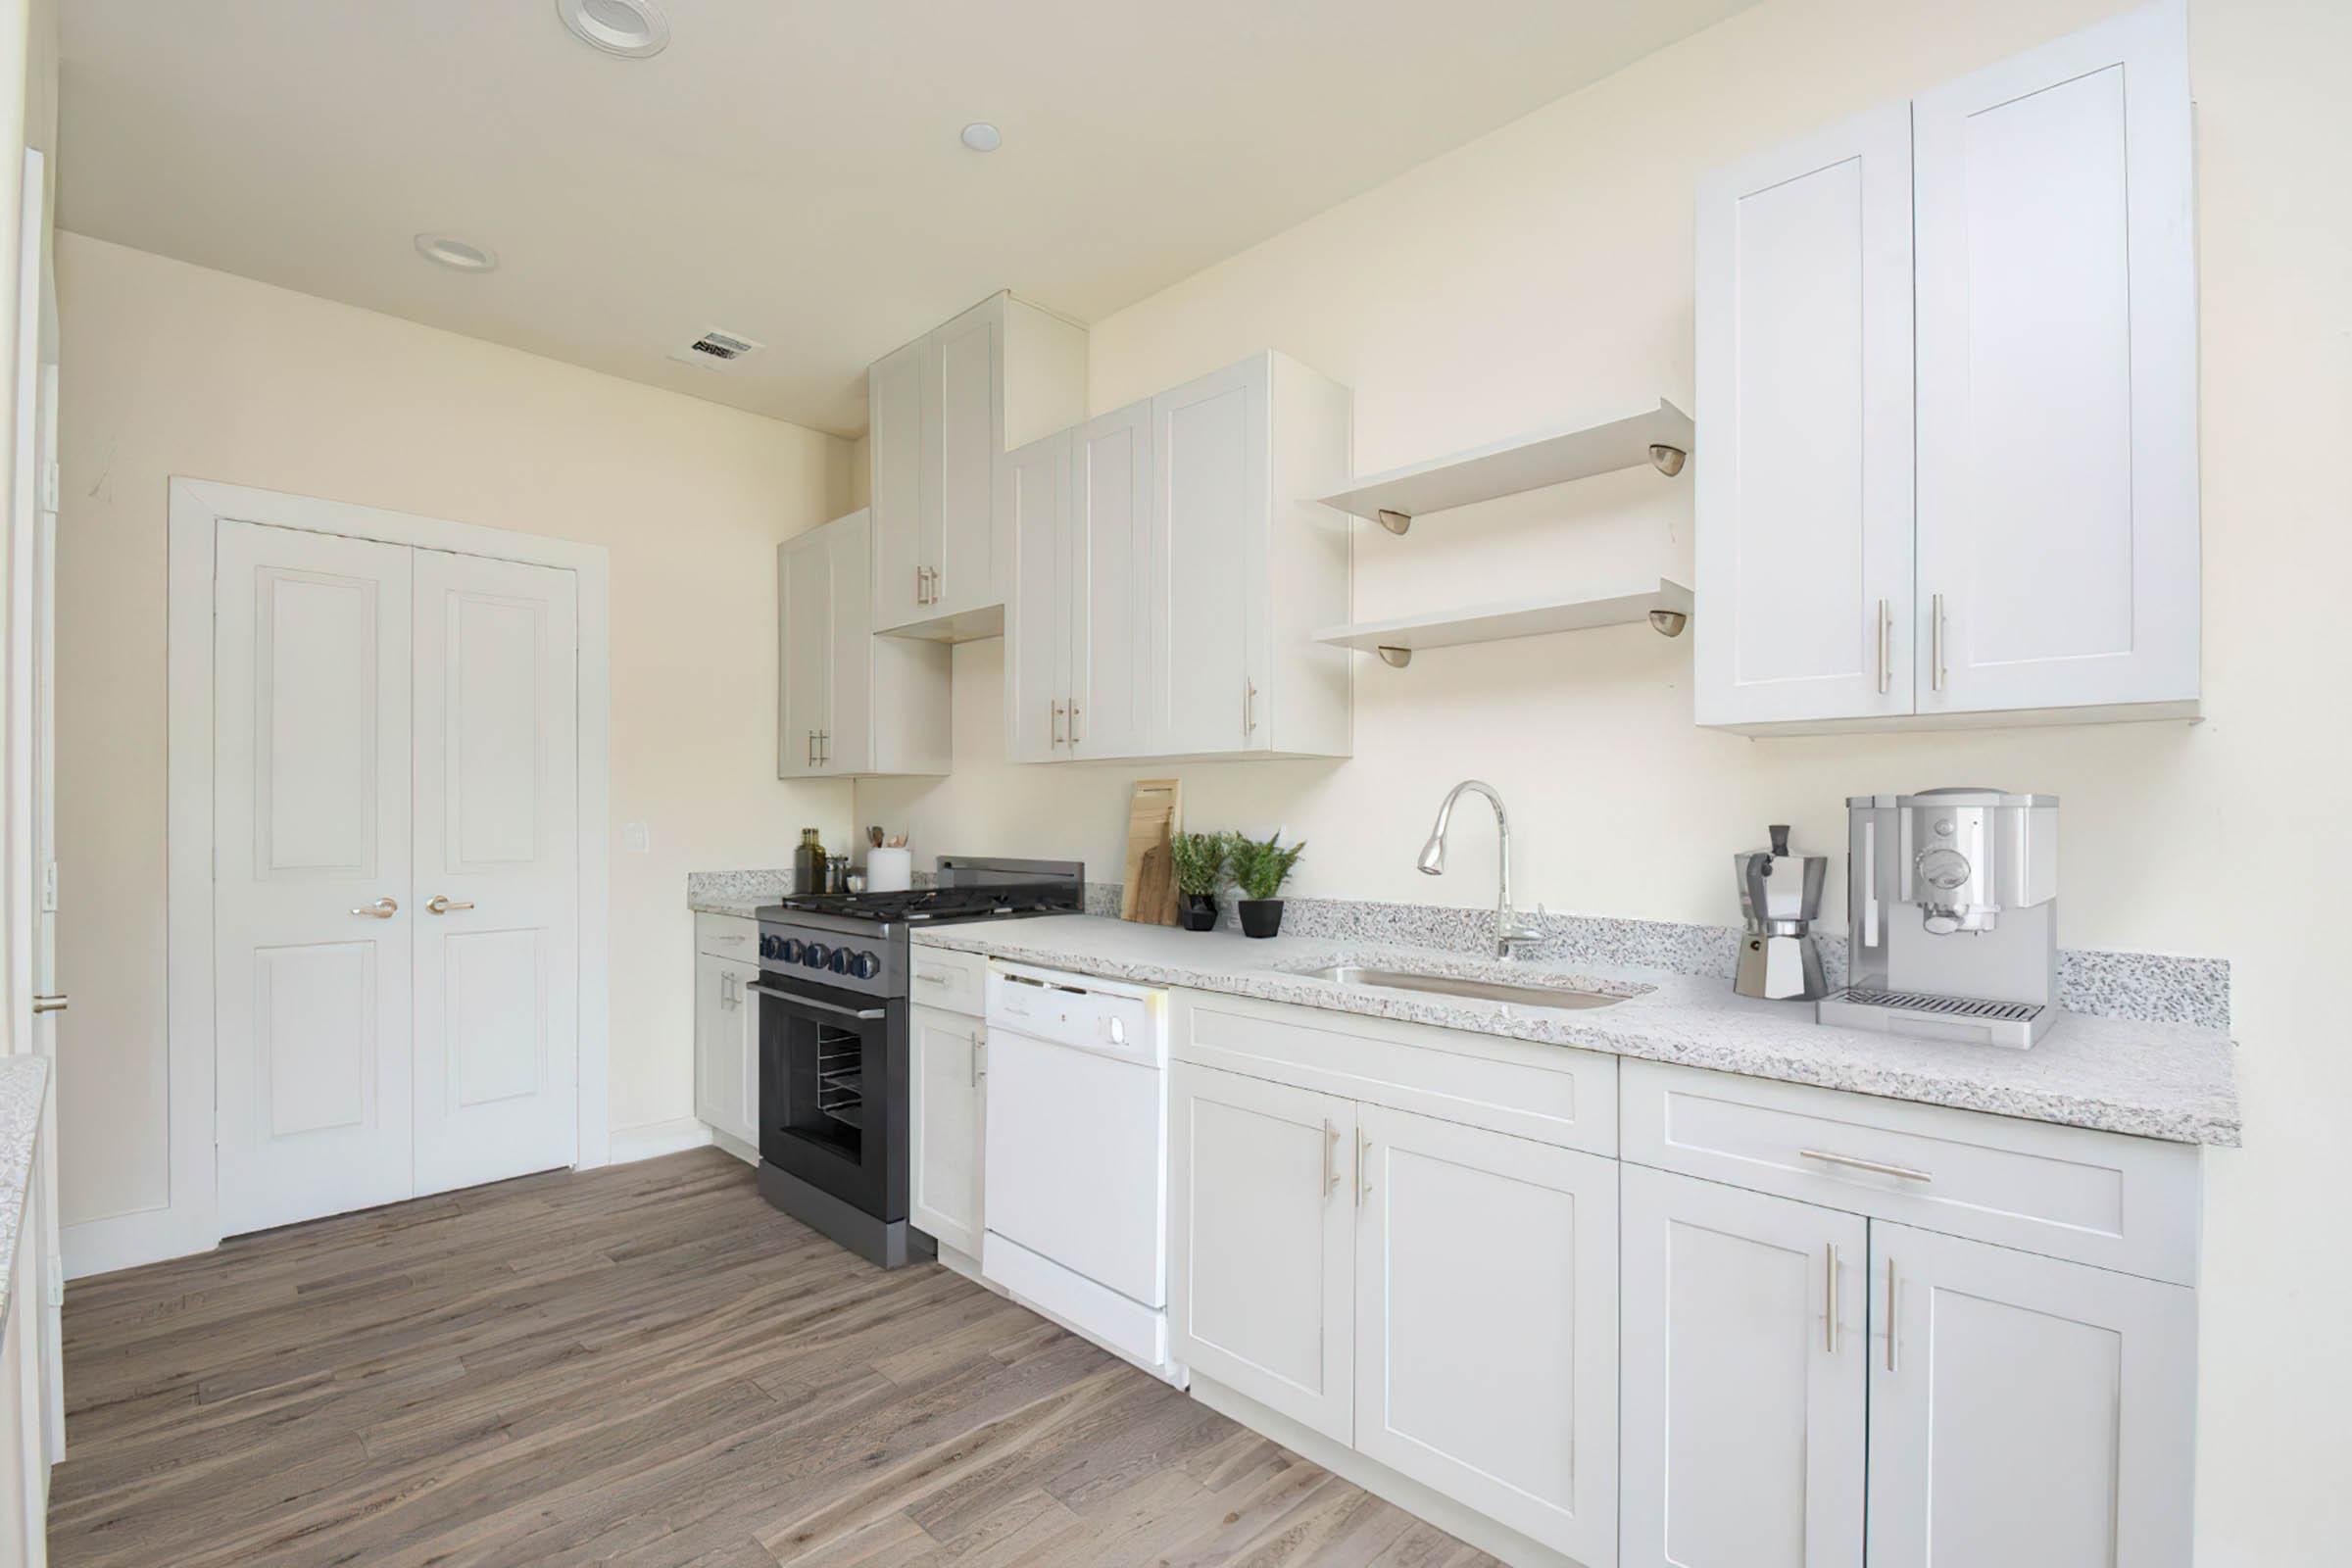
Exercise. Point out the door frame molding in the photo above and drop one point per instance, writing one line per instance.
(189, 1220)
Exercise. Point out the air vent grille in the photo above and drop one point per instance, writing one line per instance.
(720, 346)
(1945, 1007)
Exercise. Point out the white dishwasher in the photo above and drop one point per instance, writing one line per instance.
(1077, 1156)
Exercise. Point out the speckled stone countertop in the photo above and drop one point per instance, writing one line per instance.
(21, 1082)
(2152, 1080)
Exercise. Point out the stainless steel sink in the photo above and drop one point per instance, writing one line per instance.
(1350, 974)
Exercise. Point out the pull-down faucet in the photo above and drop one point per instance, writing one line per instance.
(1512, 931)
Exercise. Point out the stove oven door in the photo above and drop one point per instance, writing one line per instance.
(833, 1091)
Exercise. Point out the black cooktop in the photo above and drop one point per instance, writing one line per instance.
(932, 904)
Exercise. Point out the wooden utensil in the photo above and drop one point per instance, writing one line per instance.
(1154, 813)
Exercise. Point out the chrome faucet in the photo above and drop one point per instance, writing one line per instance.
(1512, 931)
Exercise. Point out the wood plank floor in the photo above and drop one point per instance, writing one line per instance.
(646, 1366)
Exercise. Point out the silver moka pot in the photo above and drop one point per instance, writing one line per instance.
(1780, 899)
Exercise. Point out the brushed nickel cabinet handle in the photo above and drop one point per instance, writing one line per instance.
(1885, 646)
(1828, 1333)
(1891, 1315)
(1249, 705)
(1364, 1167)
(1057, 740)
(1074, 721)
(1938, 675)
(1331, 1160)
(55, 1003)
(440, 904)
(380, 910)
(1874, 1168)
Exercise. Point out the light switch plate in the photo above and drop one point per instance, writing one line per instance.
(635, 838)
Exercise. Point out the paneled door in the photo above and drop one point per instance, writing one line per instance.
(1804, 381)
(1109, 602)
(2058, 526)
(964, 436)
(2026, 1411)
(1208, 562)
(495, 869)
(1035, 482)
(1485, 1324)
(1743, 1377)
(902, 573)
(944, 1126)
(1268, 1307)
(804, 684)
(313, 918)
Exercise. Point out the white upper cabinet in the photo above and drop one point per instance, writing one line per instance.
(941, 413)
(2057, 376)
(1947, 379)
(849, 702)
(2026, 1410)
(1034, 485)
(1244, 568)
(1804, 379)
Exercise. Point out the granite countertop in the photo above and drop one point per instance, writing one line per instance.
(23, 1080)
(742, 908)
(2172, 1081)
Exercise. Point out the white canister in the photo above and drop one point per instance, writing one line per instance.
(889, 871)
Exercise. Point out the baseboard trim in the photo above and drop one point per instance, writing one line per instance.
(118, 1241)
(1464, 1523)
(653, 1139)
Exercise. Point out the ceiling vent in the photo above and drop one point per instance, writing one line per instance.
(716, 348)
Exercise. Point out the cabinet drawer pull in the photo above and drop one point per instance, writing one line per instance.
(1057, 723)
(1829, 1314)
(1938, 675)
(1885, 646)
(1331, 1159)
(930, 978)
(1364, 1167)
(1904, 1172)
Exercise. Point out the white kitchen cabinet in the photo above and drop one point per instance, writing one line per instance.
(1261, 1242)
(850, 704)
(1804, 489)
(1077, 653)
(944, 1109)
(727, 1046)
(1743, 1398)
(1948, 397)
(2025, 1410)
(2058, 547)
(1244, 568)
(1485, 1323)
(943, 411)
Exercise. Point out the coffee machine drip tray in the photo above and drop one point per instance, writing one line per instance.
(2016, 1024)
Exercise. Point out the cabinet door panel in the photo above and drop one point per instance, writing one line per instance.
(804, 597)
(725, 1064)
(1035, 486)
(1260, 1242)
(2057, 376)
(1744, 1410)
(1486, 1324)
(2028, 1413)
(968, 432)
(895, 422)
(1804, 383)
(944, 1113)
(1208, 560)
(1111, 545)
(845, 727)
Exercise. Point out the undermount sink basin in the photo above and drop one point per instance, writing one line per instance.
(1446, 985)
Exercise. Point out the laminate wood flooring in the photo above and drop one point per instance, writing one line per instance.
(644, 1367)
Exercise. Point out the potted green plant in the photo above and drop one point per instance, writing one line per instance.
(1199, 867)
(1259, 870)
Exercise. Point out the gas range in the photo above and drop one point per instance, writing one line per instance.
(858, 941)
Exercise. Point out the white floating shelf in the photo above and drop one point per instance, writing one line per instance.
(1524, 463)
(1396, 641)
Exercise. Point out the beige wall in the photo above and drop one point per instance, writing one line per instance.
(1547, 268)
(175, 370)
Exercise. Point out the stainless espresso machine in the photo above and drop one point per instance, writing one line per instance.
(1953, 903)
(1780, 899)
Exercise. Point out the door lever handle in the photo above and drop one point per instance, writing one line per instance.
(441, 904)
(380, 910)
(56, 1003)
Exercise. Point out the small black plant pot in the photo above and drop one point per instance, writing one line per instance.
(1199, 912)
(1261, 917)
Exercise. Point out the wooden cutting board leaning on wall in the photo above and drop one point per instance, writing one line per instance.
(1155, 815)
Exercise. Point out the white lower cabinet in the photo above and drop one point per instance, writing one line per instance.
(943, 1121)
(1744, 1420)
(726, 1031)
(1485, 1323)
(2027, 1410)
(1261, 1242)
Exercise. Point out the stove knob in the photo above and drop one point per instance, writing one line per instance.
(768, 947)
(838, 961)
(788, 949)
(866, 965)
(815, 956)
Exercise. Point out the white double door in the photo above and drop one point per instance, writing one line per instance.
(396, 871)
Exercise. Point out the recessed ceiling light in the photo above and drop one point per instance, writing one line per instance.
(632, 28)
(452, 252)
(981, 137)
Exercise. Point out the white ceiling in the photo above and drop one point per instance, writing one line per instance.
(789, 169)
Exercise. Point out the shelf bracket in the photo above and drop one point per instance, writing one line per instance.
(1395, 657)
(1668, 622)
(1398, 521)
(1668, 461)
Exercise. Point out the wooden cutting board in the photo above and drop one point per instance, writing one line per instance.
(1154, 813)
